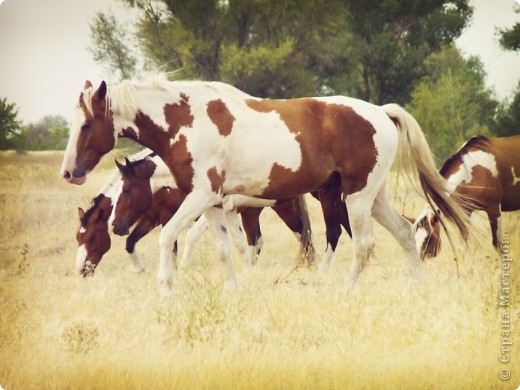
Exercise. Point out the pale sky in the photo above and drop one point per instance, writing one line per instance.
(44, 62)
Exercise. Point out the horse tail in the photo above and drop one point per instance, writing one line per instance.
(306, 251)
(413, 147)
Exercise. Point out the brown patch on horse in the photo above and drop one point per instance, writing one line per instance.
(181, 162)
(221, 116)
(129, 132)
(333, 138)
(178, 115)
(216, 180)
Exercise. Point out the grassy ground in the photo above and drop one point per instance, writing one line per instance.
(281, 328)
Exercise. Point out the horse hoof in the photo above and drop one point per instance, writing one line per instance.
(165, 289)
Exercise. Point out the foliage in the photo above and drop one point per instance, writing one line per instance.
(508, 116)
(109, 47)
(288, 48)
(510, 37)
(9, 124)
(50, 133)
(391, 40)
(452, 104)
(508, 122)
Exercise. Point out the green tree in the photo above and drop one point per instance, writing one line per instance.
(508, 122)
(452, 104)
(508, 116)
(109, 45)
(289, 48)
(391, 39)
(49, 133)
(9, 124)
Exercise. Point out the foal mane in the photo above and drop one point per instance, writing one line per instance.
(95, 203)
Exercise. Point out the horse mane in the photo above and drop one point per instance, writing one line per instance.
(95, 203)
(477, 141)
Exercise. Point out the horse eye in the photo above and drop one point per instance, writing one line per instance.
(85, 127)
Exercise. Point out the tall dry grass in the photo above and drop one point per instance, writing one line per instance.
(281, 328)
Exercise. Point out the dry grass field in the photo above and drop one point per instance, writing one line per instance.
(282, 328)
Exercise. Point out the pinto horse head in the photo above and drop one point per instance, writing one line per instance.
(136, 193)
(428, 233)
(92, 134)
(92, 236)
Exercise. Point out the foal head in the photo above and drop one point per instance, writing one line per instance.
(92, 235)
(92, 134)
(136, 193)
(428, 233)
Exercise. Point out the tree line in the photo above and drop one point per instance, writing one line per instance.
(387, 51)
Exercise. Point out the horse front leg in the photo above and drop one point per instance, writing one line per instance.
(193, 206)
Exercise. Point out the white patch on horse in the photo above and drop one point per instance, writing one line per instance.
(81, 258)
(82, 229)
(471, 160)
(69, 159)
(516, 179)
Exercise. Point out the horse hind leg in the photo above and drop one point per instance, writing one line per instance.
(402, 230)
(494, 217)
(330, 205)
(363, 240)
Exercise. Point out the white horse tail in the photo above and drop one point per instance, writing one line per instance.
(414, 147)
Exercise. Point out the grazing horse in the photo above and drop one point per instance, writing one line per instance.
(486, 171)
(138, 204)
(92, 235)
(218, 141)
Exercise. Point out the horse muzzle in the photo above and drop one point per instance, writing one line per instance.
(121, 229)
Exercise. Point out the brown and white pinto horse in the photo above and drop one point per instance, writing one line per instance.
(92, 235)
(218, 141)
(486, 171)
(138, 205)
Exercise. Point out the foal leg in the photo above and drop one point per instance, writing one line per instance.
(217, 223)
(142, 228)
(250, 222)
(195, 203)
(235, 228)
(192, 236)
(399, 227)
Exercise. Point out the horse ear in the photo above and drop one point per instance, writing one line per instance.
(129, 165)
(88, 85)
(81, 212)
(101, 92)
(100, 214)
(121, 167)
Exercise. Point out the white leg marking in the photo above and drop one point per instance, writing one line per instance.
(400, 228)
(217, 224)
(235, 230)
(81, 258)
(326, 260)
(195, 203)
(136, 261)
(192, 236)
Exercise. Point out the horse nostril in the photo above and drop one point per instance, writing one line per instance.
(67, 175)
